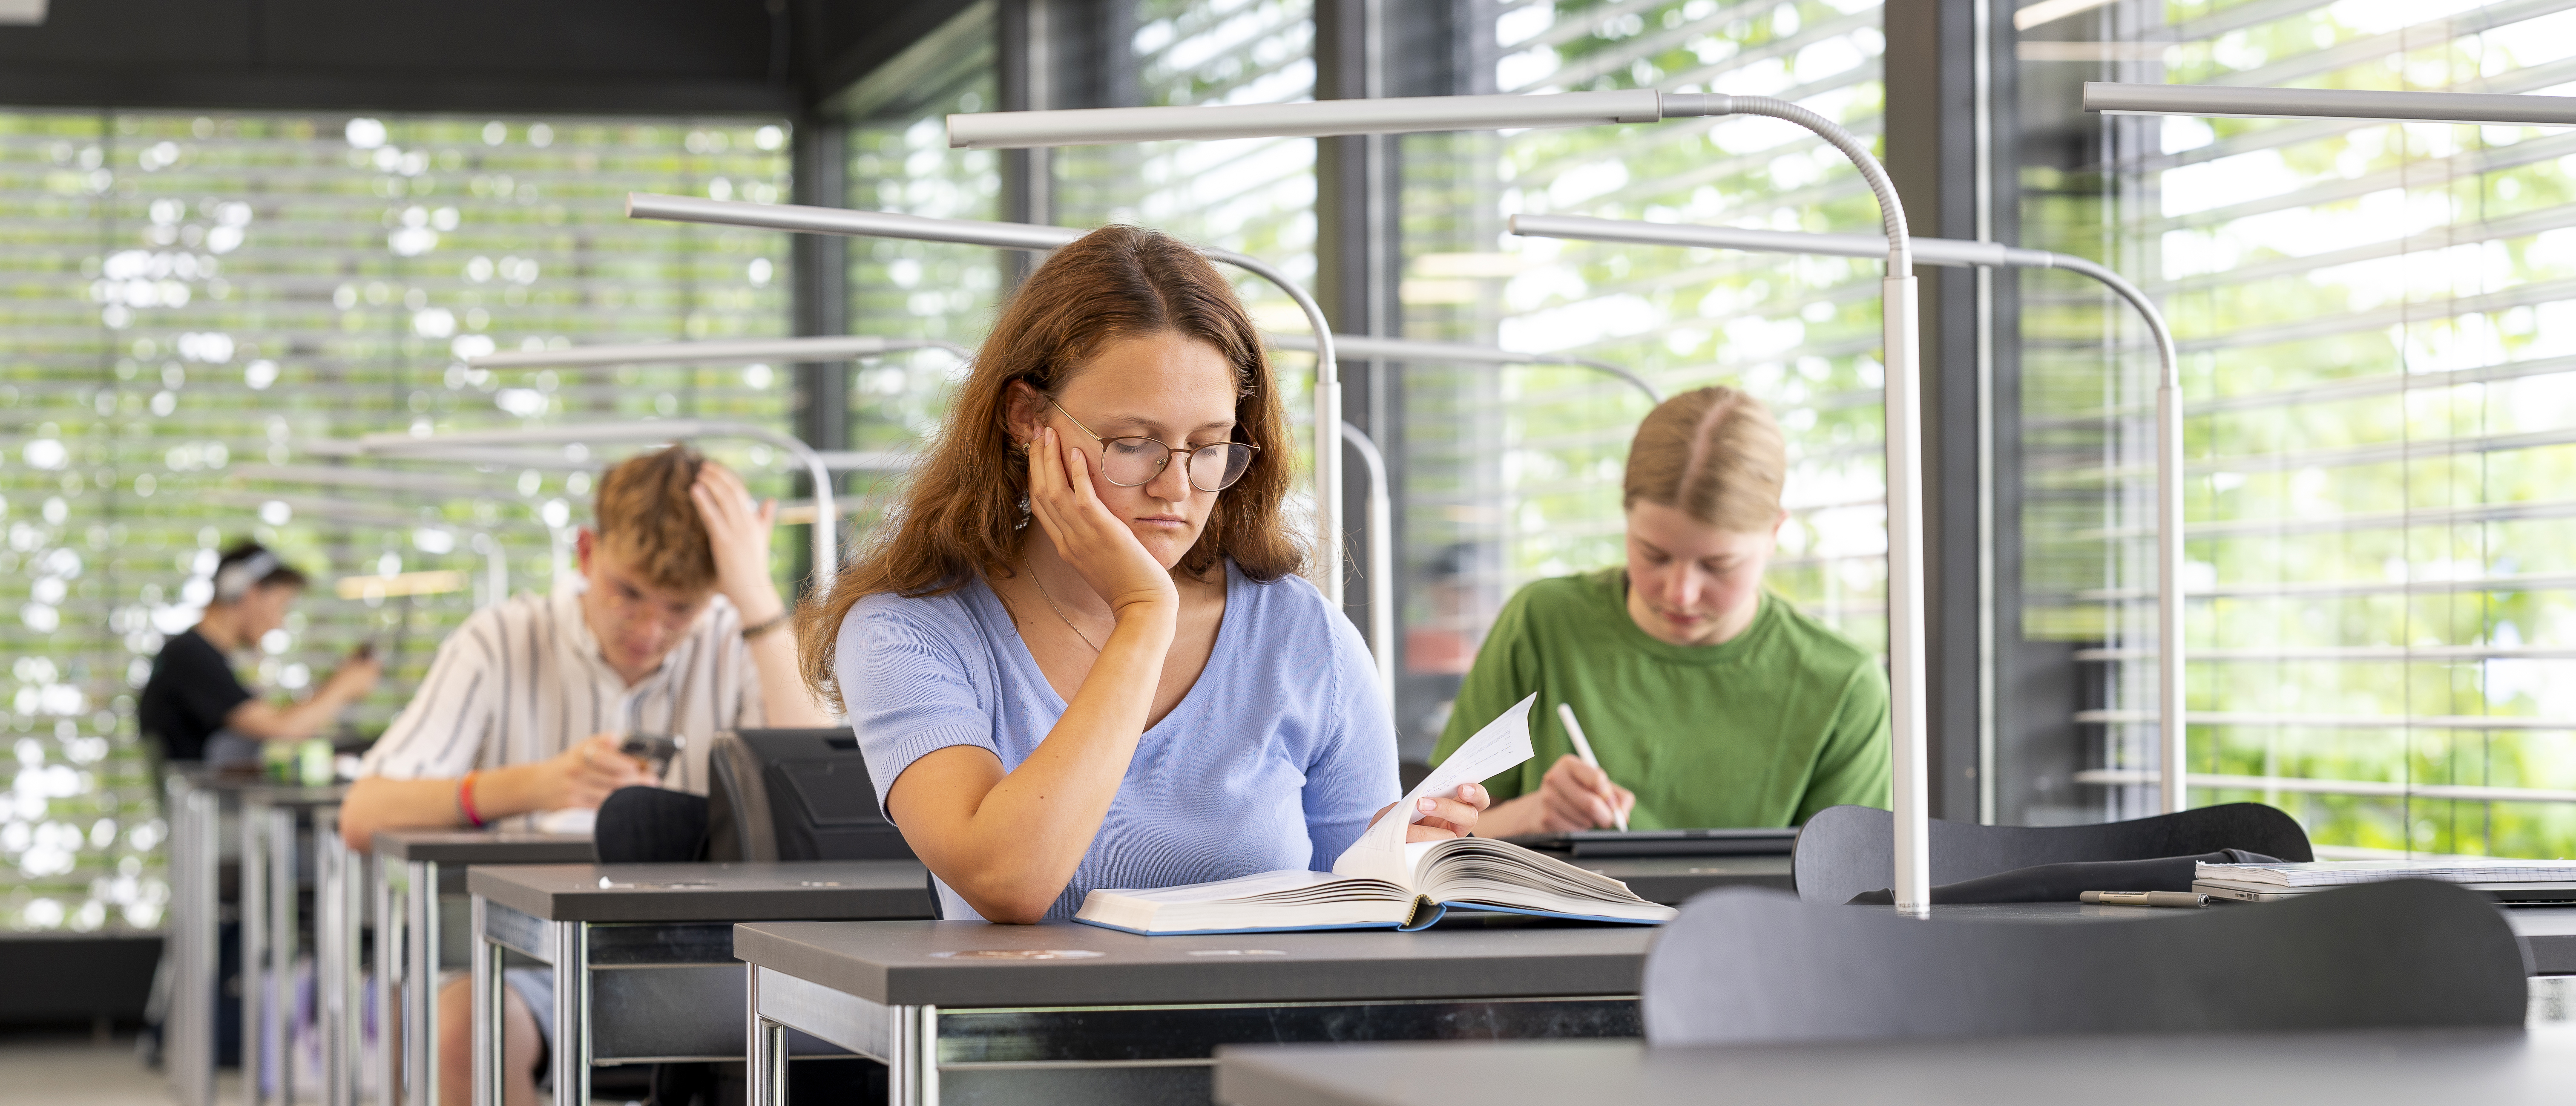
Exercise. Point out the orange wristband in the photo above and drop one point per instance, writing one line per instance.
(465, 799)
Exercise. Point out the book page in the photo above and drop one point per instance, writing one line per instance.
(1502, 744)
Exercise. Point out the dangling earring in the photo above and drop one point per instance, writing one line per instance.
(1023, 523)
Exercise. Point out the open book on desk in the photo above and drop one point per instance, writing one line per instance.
(1382, 882)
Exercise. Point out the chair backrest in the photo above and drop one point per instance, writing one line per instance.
(802, 795)
(1845, 850)
(650, 825)
(739, 823)
(1746, 965)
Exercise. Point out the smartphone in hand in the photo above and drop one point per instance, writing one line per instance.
(653, 749)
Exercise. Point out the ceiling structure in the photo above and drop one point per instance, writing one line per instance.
(609, 56)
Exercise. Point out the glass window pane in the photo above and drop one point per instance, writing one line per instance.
(197, 302)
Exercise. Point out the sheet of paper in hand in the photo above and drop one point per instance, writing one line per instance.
(1382, 882)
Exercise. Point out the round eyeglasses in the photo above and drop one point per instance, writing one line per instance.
(1133, 462)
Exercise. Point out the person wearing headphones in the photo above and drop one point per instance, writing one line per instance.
(195, 706)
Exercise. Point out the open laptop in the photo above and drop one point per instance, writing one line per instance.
(1663, 842)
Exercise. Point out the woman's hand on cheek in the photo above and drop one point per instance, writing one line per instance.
(1090, 538)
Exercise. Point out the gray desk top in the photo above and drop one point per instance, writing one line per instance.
(2347, 1069)
(285, 794)
(1672, 880)
(484, 847)
(708, 892)
(900, 963)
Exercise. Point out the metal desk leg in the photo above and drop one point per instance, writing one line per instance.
(766, 1071)
(196, 860)
(330, 950)
(283, 942)
(912, 1063)
(256, 1004)
(380, 1005)
(421, 939)
(487, 1013)
(347, 1045)
(572, 1013)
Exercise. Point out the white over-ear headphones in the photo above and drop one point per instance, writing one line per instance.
(235, 580)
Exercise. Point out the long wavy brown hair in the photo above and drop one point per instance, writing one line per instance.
(959, 513)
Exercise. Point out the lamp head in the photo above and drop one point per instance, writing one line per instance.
(1012, 130)
(2112, 98)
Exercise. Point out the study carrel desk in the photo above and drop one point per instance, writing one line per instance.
(644, 965)
(419, 875)
(1066, 1013)
(2354, 1068)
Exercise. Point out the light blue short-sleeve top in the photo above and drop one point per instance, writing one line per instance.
(1275, 759)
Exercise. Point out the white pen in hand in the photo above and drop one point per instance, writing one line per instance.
(1583, 748)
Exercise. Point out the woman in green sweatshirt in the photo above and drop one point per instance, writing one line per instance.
(1710, 701)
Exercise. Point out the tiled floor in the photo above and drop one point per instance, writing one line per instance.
(72, 1071)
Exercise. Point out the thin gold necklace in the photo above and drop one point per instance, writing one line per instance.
(1059, 611)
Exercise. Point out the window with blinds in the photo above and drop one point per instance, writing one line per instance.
(2378, 326)
(1514, 475)
(900, 161)
(197, 306)
(1254, 196)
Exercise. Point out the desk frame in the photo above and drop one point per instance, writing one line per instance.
(574, 950)
(195, 934)
(271, 934)
(908, 1039)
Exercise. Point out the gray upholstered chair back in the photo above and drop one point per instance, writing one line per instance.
(1846, 850)
(1748, 965)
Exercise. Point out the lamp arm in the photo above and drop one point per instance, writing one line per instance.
(1891, 209)
(1381, 558)
(1026, 236)
(1908, 706)
(827, 511)
(1654, 395)
(1328, 419)
(2173, 731)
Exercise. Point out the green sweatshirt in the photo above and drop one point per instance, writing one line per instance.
(1786, 719)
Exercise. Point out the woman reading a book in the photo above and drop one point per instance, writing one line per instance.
(1079, 655)
(1709, 701)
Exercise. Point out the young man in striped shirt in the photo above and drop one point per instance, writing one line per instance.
(678, 630)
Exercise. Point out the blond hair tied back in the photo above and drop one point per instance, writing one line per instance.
(1713, 454)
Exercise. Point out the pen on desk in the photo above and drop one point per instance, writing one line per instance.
(1583, 748)
(2184, 899)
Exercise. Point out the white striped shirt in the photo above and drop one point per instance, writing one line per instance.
(523, 680)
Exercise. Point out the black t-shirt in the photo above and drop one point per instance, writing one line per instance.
(191, 692)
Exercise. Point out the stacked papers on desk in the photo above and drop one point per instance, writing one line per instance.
(2506, 880)
(2330, 873)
